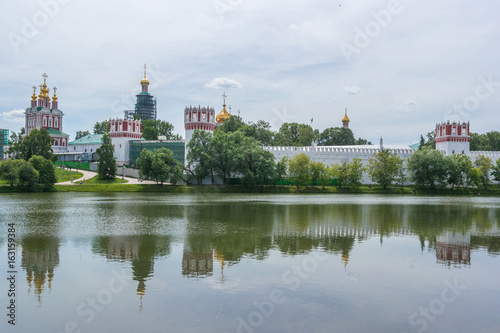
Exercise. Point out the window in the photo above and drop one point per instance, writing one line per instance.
(85, 149)
(120, 145)
(44, 121)
(90, 149)
(56, 122)
(50, 122)
(74, 147)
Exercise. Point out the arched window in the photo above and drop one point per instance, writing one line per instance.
(56, 122)
(50, 122)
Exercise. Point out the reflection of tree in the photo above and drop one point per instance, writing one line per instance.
(40, 257)
(490, 243)
(141, 251)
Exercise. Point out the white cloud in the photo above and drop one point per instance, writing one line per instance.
(14, 116)
(223, 82)
(352, 90)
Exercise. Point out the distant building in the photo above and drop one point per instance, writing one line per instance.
(145, 107)
(121, 132)
(4, 141)
(136, 146)
(45, 114)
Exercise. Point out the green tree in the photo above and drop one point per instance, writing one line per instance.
(458, 169)
(337, 136)
(427, 167)
(106, 163)
(27, 175)
(496, 172)
(281, 169)
(37, 142)
(294, 134)
(316, 169)
(9, 171)
(159, 166)
(355, 172)
(152, 129)
(46, 170)
(261, 131)
(298, 170)
(422, 142)
(101, 127)
(430, 141)
(383, 167)
(340, 172)
(232, 124)
(81, 134)
(484, 165)
(223, 148)
(255, 164)
(199, 157)
(325, 176)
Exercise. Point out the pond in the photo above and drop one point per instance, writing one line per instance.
(141, 262)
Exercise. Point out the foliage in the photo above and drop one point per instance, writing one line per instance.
(9, 171)
(37, 142)
(496, 172)
(27, 175)
(199, 157)
(485, 142)
(430, 141)
(81, 134)
(152, 129)
(337, 136)
(294, 134)
(97, 180)
(46, 170)
(101, 127)
(255, 164)
(281, 170)
(298, 169)
(260, 131)
(223, 147)
(316, 171)
(159, 166)
(427, 167)
(64, 175)
(483, 165)
(384, 167)
(232, 124)
(326, 175)
(106, 164)
(458, 169)
(355, 172)
(340, 172)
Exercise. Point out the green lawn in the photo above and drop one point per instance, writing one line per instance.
(96, 180)
(64, 175)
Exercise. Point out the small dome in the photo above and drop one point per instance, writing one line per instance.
(345, 119)
(223, 115)
(144, 81)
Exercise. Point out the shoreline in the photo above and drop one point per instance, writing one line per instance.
(279, 189)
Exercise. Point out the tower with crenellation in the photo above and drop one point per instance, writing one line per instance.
(453, 137)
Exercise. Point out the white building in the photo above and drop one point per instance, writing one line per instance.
(121, 132)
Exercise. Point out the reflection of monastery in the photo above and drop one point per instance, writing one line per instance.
(126, 134)
(40, 257)
(140, 251)
(453, 248)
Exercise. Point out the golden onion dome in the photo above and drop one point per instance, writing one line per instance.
(144, 81)
(223, 115)
(346, 118)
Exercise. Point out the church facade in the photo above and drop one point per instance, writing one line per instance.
(45, 113)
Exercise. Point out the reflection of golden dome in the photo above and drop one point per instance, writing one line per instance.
(223, 115)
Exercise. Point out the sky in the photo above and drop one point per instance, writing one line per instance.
(399, 67)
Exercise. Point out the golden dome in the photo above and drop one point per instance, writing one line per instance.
(346, 118)
(33, 97)
(223, 115)
(144, 81)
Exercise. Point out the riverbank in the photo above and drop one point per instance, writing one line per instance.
(280, 189)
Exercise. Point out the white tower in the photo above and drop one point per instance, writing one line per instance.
(453, 138)
(197, 118)
(121, 131)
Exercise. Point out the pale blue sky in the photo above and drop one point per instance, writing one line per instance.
(399, 67)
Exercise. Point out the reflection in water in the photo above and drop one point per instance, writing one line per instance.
(40, 257)
(141, 251)
(452, 248)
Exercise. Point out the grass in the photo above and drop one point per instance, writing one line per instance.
(64, 175)
(96, 180)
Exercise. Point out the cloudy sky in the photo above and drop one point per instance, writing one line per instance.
(398, 66)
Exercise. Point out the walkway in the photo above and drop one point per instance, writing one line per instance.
(91, 174)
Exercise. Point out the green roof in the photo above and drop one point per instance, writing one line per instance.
(90, 139)
(53, 131)
(415, 146)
